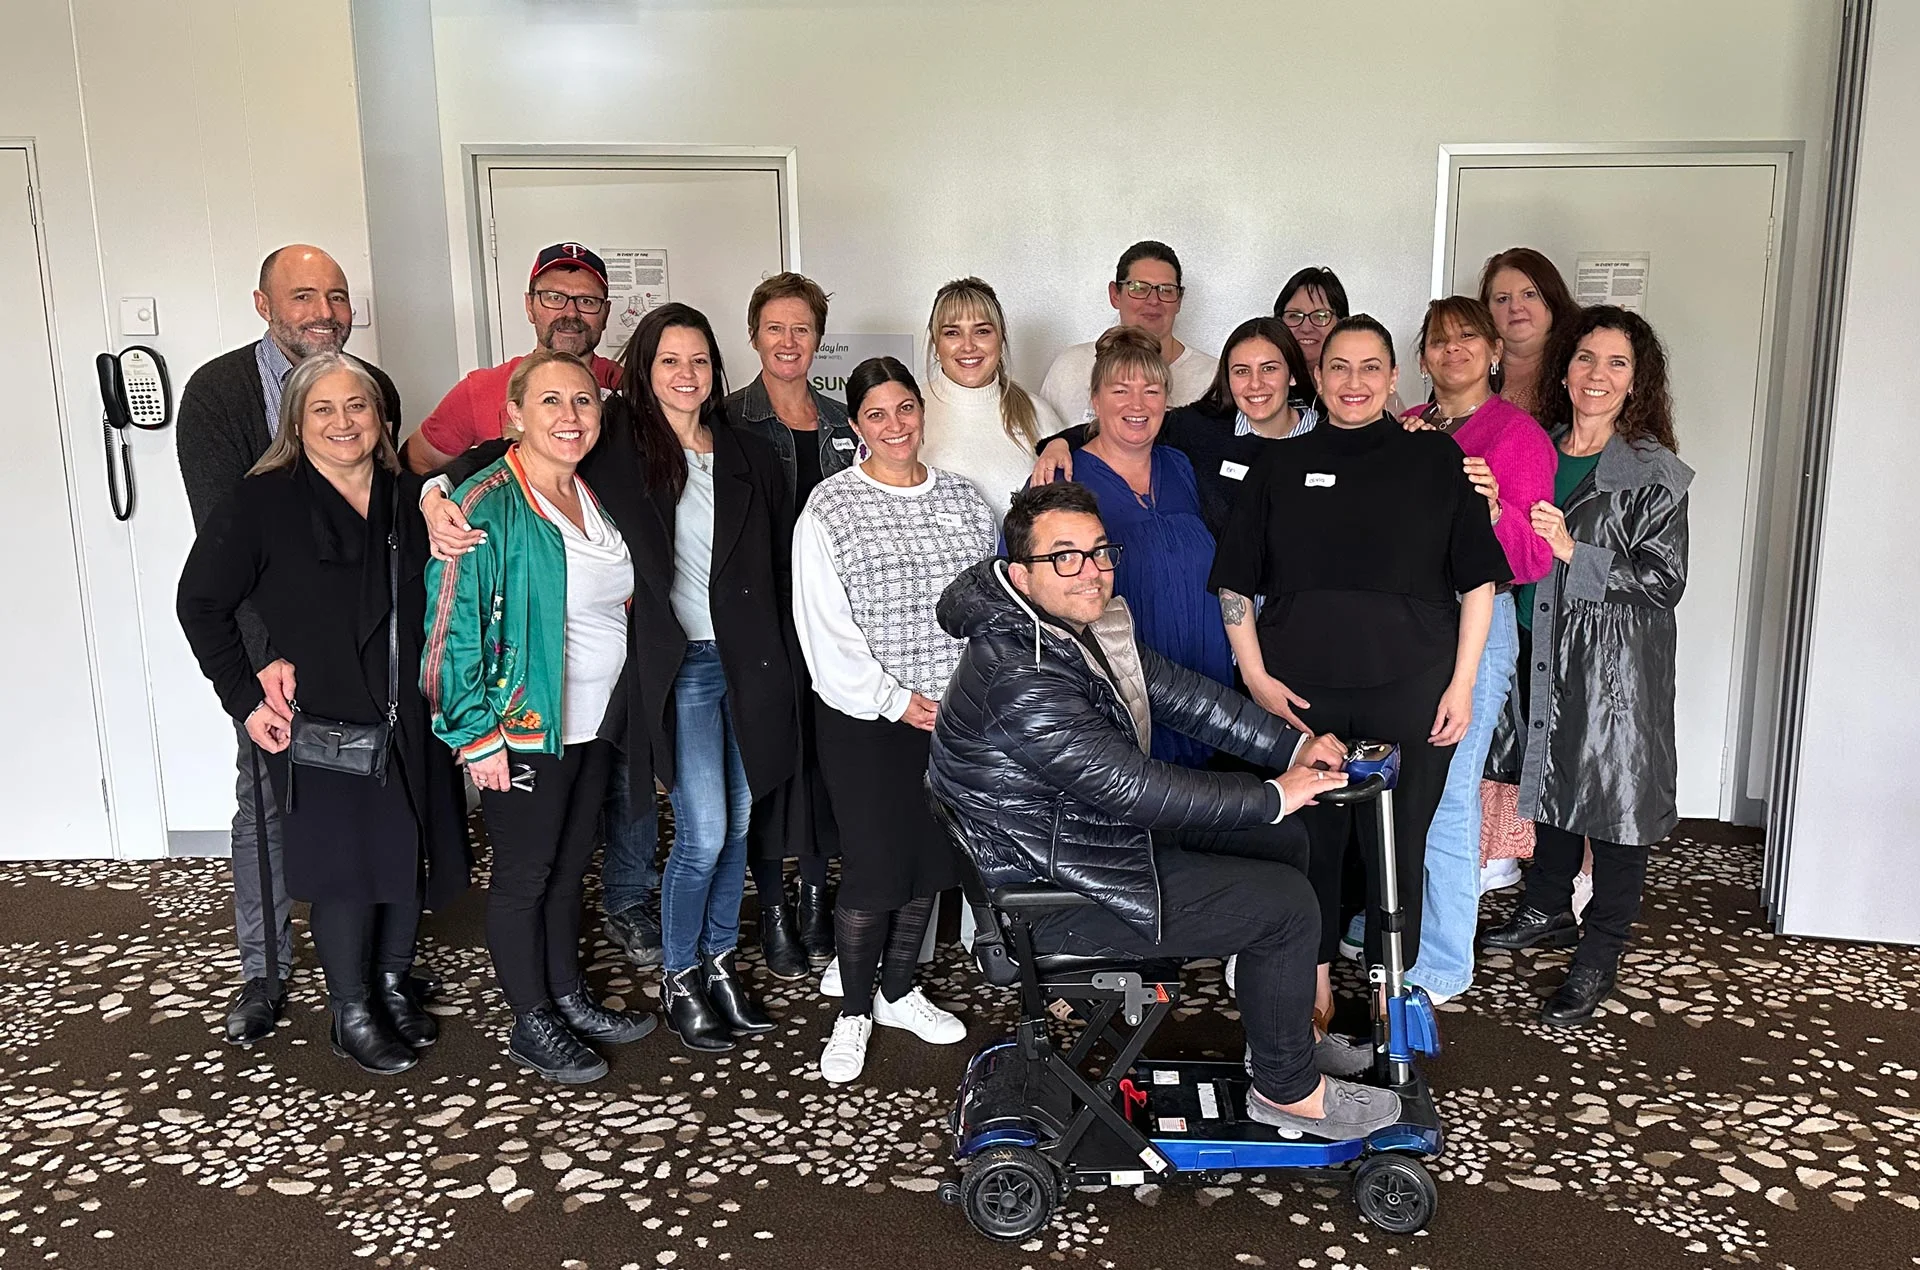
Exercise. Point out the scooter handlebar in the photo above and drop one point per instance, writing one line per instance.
(1358, 792)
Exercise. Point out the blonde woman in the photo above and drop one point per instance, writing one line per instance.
(979, 423)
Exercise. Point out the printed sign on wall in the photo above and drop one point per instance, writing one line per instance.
(1618, 278)
(839, 354)
(636, 283)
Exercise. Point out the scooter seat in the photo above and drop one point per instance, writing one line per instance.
(1074, 969)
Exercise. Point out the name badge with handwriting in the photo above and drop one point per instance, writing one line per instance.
(843, 443)
(1319, 480)
(947, 520)
(1233, 471)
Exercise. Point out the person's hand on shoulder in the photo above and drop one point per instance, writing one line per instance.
(449, 536)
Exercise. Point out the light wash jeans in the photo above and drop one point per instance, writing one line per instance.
(1452, 914)
(706, 871)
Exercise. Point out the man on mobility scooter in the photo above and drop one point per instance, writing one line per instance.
(1041, 748)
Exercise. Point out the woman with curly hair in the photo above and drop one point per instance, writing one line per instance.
(1600, 759)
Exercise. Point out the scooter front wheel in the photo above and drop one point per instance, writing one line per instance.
(1008, 1192)
(1395, 1193)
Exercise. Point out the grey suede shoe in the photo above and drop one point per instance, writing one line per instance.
(1335, 1055)
(1352, 1111)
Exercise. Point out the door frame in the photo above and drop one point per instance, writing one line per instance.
(1787, 158)
(478, 162)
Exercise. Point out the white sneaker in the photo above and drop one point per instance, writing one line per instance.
(1353, 940)
(919, 1016)
(830, 980)
(846, 1053)
(1233, 963)
(1498, 875)
(1582, 893)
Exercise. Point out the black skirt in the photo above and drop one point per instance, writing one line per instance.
(891, 851)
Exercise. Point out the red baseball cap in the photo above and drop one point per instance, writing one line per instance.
(569, 254)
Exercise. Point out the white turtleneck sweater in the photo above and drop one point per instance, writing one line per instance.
(964, 436)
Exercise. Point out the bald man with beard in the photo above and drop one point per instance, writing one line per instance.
(229, 414)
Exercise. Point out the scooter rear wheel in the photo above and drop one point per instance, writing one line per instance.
(1395, 1193)
(1008, 1192)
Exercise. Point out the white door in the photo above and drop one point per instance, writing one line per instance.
(51, 782)
(719, 228)
(1707, 229)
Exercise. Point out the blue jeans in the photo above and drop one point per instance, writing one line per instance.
(706, 869)
(1452, 909)
(631, 829)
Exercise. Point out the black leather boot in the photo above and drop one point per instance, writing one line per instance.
(780, 943)
(591, 1021)
(362, 1033)
(729, 997)
(1586, 987)
(542, 1041)
(816, 923)
(691, 1016)
(395, 992)
(1529, 928)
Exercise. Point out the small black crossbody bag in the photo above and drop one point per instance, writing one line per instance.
(356, 749)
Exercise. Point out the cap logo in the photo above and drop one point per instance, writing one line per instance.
(572, 250)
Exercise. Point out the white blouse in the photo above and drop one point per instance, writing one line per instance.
(599, 584)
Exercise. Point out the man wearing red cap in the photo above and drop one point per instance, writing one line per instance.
(567, 304)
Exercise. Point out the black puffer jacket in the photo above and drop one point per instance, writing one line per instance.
(1043, 754)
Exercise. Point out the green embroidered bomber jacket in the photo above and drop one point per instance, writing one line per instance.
(494, 668)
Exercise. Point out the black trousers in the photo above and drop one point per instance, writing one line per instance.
(1619, 877)
(1401, 712)
(350, 938)
(542, 841)
(1225, 893)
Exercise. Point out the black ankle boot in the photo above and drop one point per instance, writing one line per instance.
(691, 1016)
(816, 923)
(591, 1021)
(363, 1034)
(1529, 927)
(780, 943)
(394, 992)
(729, 997)
(543, 1041)
(1586, 987)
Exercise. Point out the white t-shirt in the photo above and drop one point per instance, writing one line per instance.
(1066, 386)
(964, 435)
(599, 584)
(693, 549)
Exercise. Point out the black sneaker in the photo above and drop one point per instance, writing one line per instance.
(591, 1021)
(543, 1041)
(636, 931)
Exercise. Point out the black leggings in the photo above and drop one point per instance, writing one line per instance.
(1401, 712)
(884, 943)
(542, 841)
(1619, 877)
(770, 876)
(350, 937)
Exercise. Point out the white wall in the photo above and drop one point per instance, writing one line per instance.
(178, 141)
(1856, 810)
(1029, 143)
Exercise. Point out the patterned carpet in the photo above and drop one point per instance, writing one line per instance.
(1746, 1100)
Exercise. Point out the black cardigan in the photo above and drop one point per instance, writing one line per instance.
(220, 432)
(749, 588)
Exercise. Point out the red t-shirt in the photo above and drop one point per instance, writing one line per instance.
(474, 411)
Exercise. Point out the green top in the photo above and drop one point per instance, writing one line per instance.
(1566, 479)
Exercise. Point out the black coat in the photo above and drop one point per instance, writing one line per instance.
(749, 588)
(287, 543)
(221, 432)
(1044, 753)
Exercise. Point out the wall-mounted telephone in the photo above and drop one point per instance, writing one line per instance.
(134, 392)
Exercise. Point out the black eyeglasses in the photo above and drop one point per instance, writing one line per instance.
(1167, 291)
(560, 300)
(1073, 562)
(1319, 317)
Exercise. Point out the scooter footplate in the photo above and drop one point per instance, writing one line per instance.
(1195, 1113)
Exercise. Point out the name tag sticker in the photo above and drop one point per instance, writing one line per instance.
(1319, 480)
(843, 443)
(947, 520)
(1233, 471)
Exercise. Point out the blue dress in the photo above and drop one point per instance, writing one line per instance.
(1163, 574)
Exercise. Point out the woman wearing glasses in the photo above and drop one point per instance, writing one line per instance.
(1146, 292)
(872, 551)
(1310, 303)
(567, 305)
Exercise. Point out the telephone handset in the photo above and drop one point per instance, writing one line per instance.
(134, 392)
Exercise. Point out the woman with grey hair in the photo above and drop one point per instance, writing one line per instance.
(321, 539)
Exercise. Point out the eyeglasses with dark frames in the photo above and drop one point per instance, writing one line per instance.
(1167, 291)
(561, 299)
(1296, 317)
(1073, 562)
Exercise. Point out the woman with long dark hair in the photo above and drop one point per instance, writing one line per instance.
(1528, 300)
(1601, 762)
(873, 550)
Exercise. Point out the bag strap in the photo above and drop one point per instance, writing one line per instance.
(393, 620)
(270, 926)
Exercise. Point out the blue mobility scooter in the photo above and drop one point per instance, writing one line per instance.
(1035, 1116)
